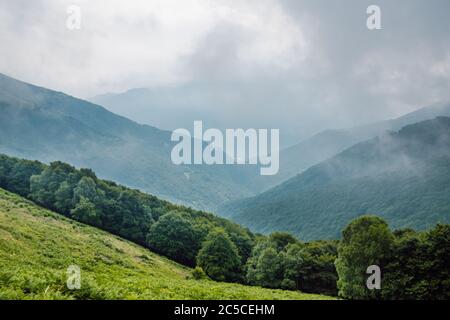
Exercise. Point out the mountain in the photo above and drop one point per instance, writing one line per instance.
(46, 125)
(168, 107)
(324, 145)
(173, 107)
(403, 177)
(37, 246)
(178, 107)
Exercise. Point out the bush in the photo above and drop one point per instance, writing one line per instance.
(198, 273)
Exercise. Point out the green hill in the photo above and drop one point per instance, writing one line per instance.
(403, 177)
(37, 246)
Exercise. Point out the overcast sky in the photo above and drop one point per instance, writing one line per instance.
(296, 64)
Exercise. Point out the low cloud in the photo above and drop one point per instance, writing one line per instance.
(298, 65)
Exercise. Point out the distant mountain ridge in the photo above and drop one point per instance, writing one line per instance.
(180, 106)
(172, 107)
(46, 125)
(403, 177)
(324, 145)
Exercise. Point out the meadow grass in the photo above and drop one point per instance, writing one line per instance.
(37, 246)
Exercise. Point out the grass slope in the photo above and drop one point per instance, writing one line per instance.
(37, 246)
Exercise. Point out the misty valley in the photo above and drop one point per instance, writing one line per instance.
(303, 231)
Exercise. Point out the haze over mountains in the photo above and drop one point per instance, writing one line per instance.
(403, 177)
(38, 123)
(326, 144)
(174, 107)
(41, 124)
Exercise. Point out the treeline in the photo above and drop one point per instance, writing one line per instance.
(414, 264)
(175, 231)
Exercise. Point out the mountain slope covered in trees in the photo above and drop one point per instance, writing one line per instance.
(402, 177)
(169, 229)
(415, 263)
(37, 246)
(46, 125)
(216, 246)
(326, 144)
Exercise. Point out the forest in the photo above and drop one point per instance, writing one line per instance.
(414, 264)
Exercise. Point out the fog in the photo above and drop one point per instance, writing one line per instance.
(295, 65)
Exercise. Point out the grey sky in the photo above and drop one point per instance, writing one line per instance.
(299, 65)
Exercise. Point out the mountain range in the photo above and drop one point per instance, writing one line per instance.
(174, 107)
(403, 177)
(312, 196)
(178, 107)
(46, 125)
(324, 145)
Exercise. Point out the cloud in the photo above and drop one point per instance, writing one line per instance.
(298, 65)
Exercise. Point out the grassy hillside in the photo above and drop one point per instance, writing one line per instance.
(403, 177)
(37, 246)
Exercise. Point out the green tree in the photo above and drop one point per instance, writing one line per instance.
(419, 267)
(281, 240)
(86, 188)
(85, 211)
(365, 241)
(64, 197)
(244, 245)
(437, 250)
(15, 174)
(175, 236)
(311, 267)
(266, 266)
(270, 268)
(219, 257)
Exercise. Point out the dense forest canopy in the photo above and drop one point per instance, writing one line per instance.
(403, 177)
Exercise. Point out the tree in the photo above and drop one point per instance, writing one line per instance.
(219, 257)
(64, 197)
(365, 241)
(173, 230)
(85, 188)
(85, 211)
(419, 267)
(15, 174)
(311, 267)
(282, 240)
(266, 266)
(270, 272)
(175, 236)
(437, 250)
(243, 243)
